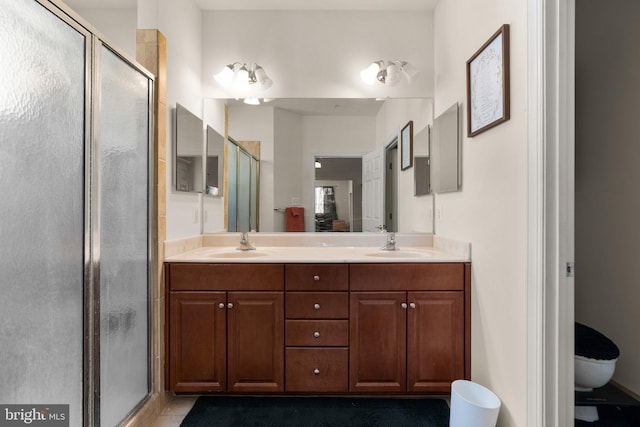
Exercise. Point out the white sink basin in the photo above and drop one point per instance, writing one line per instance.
(238, 254)
(398, 254)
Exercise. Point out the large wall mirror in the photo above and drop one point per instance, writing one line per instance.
(309, 145)
(188, 165)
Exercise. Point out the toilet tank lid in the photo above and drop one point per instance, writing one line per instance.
(593, 344)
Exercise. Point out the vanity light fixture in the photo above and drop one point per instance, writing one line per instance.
(318, 165)
(243, 77)
(388, 72)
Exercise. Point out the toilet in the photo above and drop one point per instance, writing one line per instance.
(595, 362)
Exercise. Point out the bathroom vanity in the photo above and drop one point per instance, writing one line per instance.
(316, 320)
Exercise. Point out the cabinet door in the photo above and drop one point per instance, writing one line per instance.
(435, 334)
(197, 341)
(378, 342)
(255, 353)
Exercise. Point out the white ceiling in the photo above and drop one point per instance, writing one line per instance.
(276, 4)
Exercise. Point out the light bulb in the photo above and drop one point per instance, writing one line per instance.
(242, 78)
(225, 76)
(393, 74)
(368, 75)
(252, 101)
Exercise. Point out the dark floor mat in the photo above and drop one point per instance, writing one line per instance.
(222, 411)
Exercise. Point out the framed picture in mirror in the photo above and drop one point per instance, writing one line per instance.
(406, 146)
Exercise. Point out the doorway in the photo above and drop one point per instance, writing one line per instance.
(391, 187)
(338, 194)
(606, 179)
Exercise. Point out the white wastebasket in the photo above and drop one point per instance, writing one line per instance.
(473, 405)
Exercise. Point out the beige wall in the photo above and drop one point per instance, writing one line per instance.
(607, 176)
(117, 25)
(287, 158)
(490, 211)
(318, 54)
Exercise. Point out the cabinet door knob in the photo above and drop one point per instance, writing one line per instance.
(412, 305)
(221, 305)
(316, 278)
(230, 305)
(404, 305)
(316, 371)
(316, 306)
(316, 334)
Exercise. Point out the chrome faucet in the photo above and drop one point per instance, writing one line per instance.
(244, 243)
(391, 243)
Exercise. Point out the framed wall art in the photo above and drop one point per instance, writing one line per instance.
(488, 84)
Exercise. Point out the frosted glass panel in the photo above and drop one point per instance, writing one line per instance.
(244, 192)
(42, 84)
(255, 176)
(232, 178)
(123, 158)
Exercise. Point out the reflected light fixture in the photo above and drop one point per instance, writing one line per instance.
(243, 77)
(388, 72)
(252, 100)
(318, 165)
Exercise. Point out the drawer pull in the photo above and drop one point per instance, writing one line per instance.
(412, 305)
(316, 278)
(316, 306)
(316, 334)
(404, 305)
(316, 371)
(230, 305)
(221, 305)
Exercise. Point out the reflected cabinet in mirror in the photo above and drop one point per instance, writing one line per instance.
(445, 157)
(215, 163)
(188, 163)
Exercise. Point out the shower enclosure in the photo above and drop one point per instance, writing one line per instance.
(75, 235)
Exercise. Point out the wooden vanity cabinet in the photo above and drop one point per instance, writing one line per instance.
(370, 328)
(317, 328)
(197, 341)
(406, 333)
(223, 340)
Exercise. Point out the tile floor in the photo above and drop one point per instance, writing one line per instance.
(175, 411)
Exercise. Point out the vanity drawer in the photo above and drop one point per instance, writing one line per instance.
(224, 277)
(317, 370)
(317, 277)
(407, 277)
(317, 305)
(324, 333)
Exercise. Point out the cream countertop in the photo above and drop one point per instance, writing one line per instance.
(317, 248)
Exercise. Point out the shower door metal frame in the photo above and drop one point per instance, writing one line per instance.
(91, 280)
(93, 346)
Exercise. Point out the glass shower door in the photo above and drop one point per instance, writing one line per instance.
(42, 211)
(232, 187)
(244, 192)
(124, 241)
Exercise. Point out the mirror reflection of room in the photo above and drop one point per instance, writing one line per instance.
(296, 132)
(189, 162)
(338, 194)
